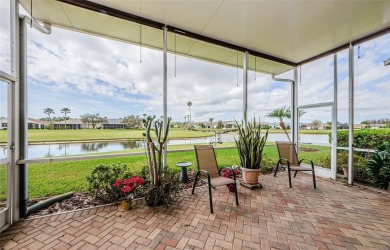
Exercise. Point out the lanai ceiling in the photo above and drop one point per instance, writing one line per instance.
(284, 33)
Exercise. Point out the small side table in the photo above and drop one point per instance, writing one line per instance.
(183, 174)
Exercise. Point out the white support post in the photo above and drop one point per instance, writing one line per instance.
(334, 121)
(165, 90)
(14, 103)
(351, 116)
(245, 86)
(294, 108)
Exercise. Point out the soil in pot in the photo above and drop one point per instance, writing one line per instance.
(250, 176)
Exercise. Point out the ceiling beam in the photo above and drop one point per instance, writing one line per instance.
(345, 46)
(154, 24)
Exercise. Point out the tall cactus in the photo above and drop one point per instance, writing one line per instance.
(154, 150)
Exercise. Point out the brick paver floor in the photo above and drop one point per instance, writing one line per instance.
(333, 216)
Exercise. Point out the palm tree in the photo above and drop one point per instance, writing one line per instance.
(65, 111)
(48, 112)
(211, 121)
(281, 113)
(185, 119)
(189, 104)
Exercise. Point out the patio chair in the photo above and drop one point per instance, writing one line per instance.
(208, 172)
(288, 158)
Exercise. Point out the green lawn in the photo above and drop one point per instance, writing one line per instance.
(45, 135)
(47, 179)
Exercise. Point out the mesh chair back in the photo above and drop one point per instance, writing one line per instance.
(205, 157)
(287, 151)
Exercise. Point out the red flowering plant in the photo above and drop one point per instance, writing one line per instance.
(228, 173)
(129, 187)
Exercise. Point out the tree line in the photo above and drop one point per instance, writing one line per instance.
(94, 120)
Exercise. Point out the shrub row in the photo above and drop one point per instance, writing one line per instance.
(365, 138)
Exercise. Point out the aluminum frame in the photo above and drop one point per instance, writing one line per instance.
(245, 86)
(165, 90)
(351, 115)
(7, 216)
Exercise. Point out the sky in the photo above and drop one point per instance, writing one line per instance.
(90, 74)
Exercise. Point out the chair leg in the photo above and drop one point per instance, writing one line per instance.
(193, 186)
(314, 180)
(235, 191)
(289, 177)
(276, 169)
(295, 173)
(211, 199)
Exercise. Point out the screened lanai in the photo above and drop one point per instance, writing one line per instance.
(271, 37)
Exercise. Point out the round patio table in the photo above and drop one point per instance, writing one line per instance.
(183, 174)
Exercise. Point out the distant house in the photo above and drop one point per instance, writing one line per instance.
(229, 125)
(36, 124)
(3, 123)
(31, 123)
(70, 124)
(113, 124)
(271, 125)
(312, 126)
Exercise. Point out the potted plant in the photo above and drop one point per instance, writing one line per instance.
(250, 144)
(128, 187)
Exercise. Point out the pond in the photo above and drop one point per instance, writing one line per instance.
(66, 149)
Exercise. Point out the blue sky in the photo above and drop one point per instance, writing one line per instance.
(95, 75)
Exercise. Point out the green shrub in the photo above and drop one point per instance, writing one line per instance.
(378, 168)
(365, 138)
(266, 165)
(359, 171)
(103, 177)
(162, 194)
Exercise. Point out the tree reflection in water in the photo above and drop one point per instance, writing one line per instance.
(93, 147)
(132, 144)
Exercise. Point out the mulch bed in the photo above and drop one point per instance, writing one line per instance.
(78, 201)
(85, 200)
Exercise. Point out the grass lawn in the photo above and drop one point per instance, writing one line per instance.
(45, 135)
(47, 179)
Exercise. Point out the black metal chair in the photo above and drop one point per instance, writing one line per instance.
(208, 172)
(288, 159)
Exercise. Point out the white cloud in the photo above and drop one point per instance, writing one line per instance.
(109, 72)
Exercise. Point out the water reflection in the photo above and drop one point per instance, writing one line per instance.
(132, 144)
(64, 149)
(93, 147)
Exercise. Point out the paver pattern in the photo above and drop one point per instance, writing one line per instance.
(333, 216)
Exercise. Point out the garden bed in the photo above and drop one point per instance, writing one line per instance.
(85, 200)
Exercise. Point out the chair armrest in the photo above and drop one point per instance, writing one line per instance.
(311, 162)
(284, 159)
(205, 172)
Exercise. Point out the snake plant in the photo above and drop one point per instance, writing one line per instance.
(250, 143)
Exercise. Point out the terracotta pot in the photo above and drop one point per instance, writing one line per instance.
(250, 176)
(127, 205)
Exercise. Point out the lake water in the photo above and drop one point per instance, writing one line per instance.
(66, 149)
